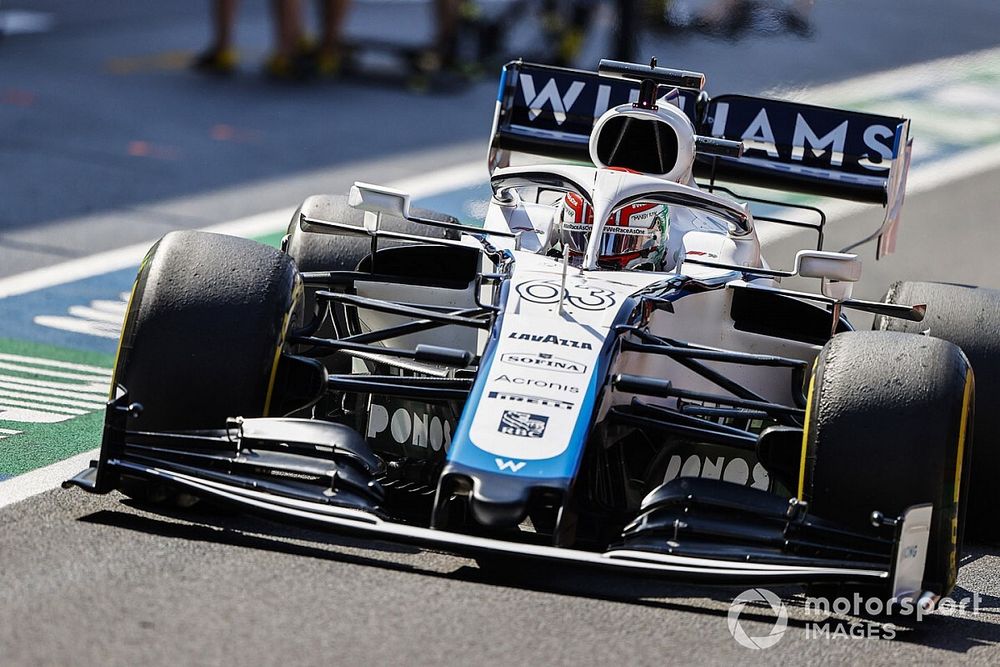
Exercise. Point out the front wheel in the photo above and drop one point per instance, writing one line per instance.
(203, 334)
(887, 420)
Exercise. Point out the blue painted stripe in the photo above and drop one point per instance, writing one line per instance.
(503, 83)
(564, 466)
(19, 312)
(464, 451)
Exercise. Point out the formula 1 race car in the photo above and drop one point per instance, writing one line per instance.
(606, 373)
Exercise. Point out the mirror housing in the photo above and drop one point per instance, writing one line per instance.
(829, 265)
(380, 199)
(837, 270)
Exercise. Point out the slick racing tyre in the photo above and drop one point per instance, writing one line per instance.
(886, 422)
(315, 251)
(204, 329)
(970, 318)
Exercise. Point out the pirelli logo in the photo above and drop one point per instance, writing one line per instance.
(533, 400)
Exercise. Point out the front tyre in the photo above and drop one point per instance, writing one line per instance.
(886, 427)
(203, 334)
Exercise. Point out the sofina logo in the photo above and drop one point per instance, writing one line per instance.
(543, 360)
(737, 626)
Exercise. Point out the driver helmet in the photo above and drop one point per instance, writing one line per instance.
(635, 235)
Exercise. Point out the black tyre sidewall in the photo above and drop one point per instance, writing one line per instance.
(970, 318)
(887, 417)
(205, 324)
(315, 251)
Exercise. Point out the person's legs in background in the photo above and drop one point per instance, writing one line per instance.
(221, 56)
(287, 61)
(445, 39)
(330, 54)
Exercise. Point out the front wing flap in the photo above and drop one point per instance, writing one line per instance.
(362, 523)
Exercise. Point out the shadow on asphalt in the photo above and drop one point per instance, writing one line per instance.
(956, 633)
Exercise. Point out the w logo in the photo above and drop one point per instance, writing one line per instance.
(549, 95)
(512, 466)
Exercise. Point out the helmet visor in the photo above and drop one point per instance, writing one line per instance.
(631, 231)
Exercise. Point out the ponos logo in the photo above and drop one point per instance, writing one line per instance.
(736, 626)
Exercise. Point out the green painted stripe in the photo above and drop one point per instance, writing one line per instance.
(33, 445)
(27, 445)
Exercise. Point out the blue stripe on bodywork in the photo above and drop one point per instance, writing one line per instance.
(464, 452)
(564, 466)
(503, 82)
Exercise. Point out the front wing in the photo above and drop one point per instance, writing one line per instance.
(279, 498)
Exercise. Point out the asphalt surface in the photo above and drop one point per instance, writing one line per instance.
(100, 581)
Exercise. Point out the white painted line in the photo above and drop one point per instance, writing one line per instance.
(76, 325)
(54, 400)
(105, 306)
(97, 315)
(98, 387)
(37, 361)
(38, 481)
(452, 178)
(20, 368)
(87, 395)
(35, 407)
(894, 82)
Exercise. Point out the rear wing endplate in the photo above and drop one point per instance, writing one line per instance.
(550, 111)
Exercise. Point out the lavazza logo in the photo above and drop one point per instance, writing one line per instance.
(827, 619)
(550, 340)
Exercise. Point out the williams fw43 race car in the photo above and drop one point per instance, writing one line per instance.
(605, 374)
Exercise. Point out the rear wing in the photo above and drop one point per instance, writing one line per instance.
(549, 111)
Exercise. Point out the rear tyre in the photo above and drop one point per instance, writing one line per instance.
(886, 422)
(970, 318)
(204, 330)
(315, 251)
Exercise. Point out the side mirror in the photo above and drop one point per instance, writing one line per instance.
(830, 265)
(379, 199)
(838, 271)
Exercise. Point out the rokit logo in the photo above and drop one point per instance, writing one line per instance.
(543, 360)
(522, 424)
